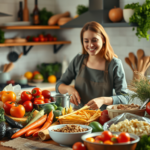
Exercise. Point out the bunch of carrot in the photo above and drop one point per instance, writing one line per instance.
(33, 129)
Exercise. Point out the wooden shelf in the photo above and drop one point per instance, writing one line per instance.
(29, 27)
(35, 43)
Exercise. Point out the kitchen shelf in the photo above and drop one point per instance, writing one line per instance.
(29, 27)
(31, 44)
(35, 43)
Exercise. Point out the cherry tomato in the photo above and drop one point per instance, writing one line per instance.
(106, 135)
(17, 111)
(36, 39)
(104, 112)
(103, 118)
(48, 36)
(50, 39)
(7, 105)
(46, 93)
(90, 139)
(46, 100)
(78, 146)
(41, 35)
(38, 102)
(108, 142)
(148, 108)
(39, 97)
(26, 96)
(45, 39)
(98, 141)
(123, 137)
(1, 93)
(36, 91)
(28, 105)
(8, 96)
(98, 138)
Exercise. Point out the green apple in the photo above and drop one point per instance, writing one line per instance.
(38, 77)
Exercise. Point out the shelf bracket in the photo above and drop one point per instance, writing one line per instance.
(56, 49)
(25, 50)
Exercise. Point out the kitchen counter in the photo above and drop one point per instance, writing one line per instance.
(31, 138)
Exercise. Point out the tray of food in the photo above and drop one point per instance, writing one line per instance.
(129, 123)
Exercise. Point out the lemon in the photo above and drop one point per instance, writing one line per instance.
(28, 75)
(52, 79)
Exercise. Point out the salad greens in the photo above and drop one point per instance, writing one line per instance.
(2, 118)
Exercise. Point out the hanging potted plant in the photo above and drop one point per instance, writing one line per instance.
(141, 17)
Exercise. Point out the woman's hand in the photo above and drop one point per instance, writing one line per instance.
(75, 97)
(96, 103)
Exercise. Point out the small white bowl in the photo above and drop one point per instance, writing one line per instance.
(68, 139)
(127, 13)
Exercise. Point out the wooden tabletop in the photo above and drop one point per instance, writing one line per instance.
(31, 138)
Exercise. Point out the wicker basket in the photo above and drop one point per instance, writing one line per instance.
(114, 112)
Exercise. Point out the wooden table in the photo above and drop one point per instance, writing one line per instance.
(31, 138)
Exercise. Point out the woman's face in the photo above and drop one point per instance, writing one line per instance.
(92, 42)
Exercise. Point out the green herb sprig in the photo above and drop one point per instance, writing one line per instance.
(2, 118)
(30, 116)
(141, 16)
(142, 89)
(81, 9)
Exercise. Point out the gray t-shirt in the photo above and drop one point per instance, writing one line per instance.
(116, 77)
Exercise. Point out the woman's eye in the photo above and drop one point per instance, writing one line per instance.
(86, 41)
(95, 40)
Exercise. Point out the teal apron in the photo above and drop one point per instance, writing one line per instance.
(91, 83)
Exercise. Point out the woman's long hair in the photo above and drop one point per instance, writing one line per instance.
(106, 51)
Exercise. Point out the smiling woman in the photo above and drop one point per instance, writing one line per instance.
(97, 71)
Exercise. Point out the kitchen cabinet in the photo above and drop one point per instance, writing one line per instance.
(31, 44)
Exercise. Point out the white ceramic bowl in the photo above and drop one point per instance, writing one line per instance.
(127, 13)
(67, 138)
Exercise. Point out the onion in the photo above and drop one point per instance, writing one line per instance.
(116, 14)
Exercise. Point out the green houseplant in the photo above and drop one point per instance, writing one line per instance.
(141, 16)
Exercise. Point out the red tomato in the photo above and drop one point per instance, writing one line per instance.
(39, 102)
(106, 135)
(48, 36)
(78, 146)
(36, 91)
(123, 137)
(7, 105)
(50, 39)
(103, 118)
(17, 111)
(26, 96)
(114, 138)
(45, 39)
(54, 38)
(41, 35)
(36, 39)
(148, 108)
(104, 112)
(99, 138)
(41, 39)
(46, 93)
(39, 97)
(28, 105)
(46, 100)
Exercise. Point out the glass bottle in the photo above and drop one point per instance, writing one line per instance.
(20, 12)
(36, 20)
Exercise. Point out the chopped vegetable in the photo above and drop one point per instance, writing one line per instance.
(39, 115)
(46, 124)
(34, 125)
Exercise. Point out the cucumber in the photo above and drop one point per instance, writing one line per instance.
(38, 116)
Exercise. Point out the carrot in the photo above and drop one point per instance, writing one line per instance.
(30, 132)
(46, 124)
(33, 125)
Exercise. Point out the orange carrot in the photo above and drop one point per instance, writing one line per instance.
(30, 132)
(46, 124)
(33, 125)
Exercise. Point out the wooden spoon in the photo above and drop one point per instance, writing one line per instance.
(140, 54)
(145, 62)
(133, 60)
(140, 65)
(127, 60)
(5, 67)
(9, 67)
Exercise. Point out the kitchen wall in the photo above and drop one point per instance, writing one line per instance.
(123, 39)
